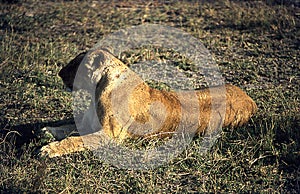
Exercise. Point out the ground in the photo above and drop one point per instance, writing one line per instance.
(255, 44)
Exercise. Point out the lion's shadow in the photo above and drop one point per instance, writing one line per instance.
(19, 135)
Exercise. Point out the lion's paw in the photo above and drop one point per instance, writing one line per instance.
(63, 147)
(51, 150)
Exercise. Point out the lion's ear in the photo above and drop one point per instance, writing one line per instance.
(68, 72)
(72, 66)
(77, 60)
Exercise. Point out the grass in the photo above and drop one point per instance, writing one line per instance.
(255, 44)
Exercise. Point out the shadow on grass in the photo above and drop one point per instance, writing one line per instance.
(287, 139)
(14, 137)
(286, 143)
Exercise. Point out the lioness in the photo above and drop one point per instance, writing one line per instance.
(126, 107)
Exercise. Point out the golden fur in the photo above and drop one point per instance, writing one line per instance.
(161, 110)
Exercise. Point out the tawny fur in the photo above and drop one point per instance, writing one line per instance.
(113, 78)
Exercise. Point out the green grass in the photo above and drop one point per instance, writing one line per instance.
(255, 44)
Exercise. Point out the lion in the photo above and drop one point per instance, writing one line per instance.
(127, 107)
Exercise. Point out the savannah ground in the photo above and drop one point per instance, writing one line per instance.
(255, 43)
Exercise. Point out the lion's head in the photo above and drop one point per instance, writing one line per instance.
(68, 72)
